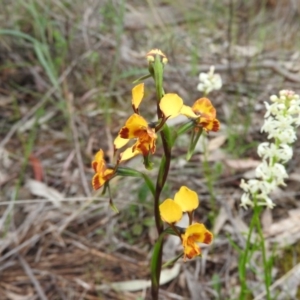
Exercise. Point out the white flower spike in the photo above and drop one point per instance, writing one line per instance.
(281, 119)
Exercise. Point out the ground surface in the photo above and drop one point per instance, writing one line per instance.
(66, 72)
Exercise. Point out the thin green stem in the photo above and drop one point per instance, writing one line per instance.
(243, 264)
(267, 275)
(163, 171)
(255, 223)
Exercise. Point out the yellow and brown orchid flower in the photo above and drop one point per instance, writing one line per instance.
(204, 114)
(136, 127)
(171, 212)
(103, 173)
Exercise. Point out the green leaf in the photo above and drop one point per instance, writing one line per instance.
(156, 256)
(155, 260)
(149, 183)
(124, 171)
(128, 172)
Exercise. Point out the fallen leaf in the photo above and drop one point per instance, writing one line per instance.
(242, 164)
(140, 284)
(40, 189)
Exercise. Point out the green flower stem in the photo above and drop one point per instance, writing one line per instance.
(267, 271)
(194, 140)
(183, 129)
(255, 223)
(243, 263)
(162, 175)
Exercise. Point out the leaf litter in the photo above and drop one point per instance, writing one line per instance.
(69, 244)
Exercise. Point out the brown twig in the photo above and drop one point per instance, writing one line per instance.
(34, 281)
(84, 181)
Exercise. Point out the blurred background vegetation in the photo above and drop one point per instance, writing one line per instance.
(66, 73)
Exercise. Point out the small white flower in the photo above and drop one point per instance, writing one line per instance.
(285, 153)
(273, 109)
(269, 150)
(246, 201)
(265, 200)
(209, 81)
(287, 137)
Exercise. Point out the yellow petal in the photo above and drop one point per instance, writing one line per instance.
(195, 233)
(119, 142)
(188, 112)
(190, 249)
(97, 181)
(137, 95)
(186, 199)
(99, 155)
(145, 145)
(170, 105)
(212, 125)
(204, 108)
(128, 153)
(133, 127)
(170, 211)
(198, 233)
(98, 164)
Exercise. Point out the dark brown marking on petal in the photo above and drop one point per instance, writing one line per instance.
(124, 133)
(96, 182)
(216, 125)
(207, 237)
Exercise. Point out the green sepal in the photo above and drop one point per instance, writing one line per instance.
(112, 206)
(184, 128)
(194, 141)
(172, 261)
(105, 187)
(181, 130)
(111, 203)
(124, 171)
(142, 78)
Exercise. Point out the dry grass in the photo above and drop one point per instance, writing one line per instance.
(66, 93)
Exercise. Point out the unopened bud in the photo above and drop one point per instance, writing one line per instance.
(152, 54)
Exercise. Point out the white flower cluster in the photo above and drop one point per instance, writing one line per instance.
(281, 118)
(209, 81)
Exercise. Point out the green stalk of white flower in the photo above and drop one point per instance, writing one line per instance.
(281, 119)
